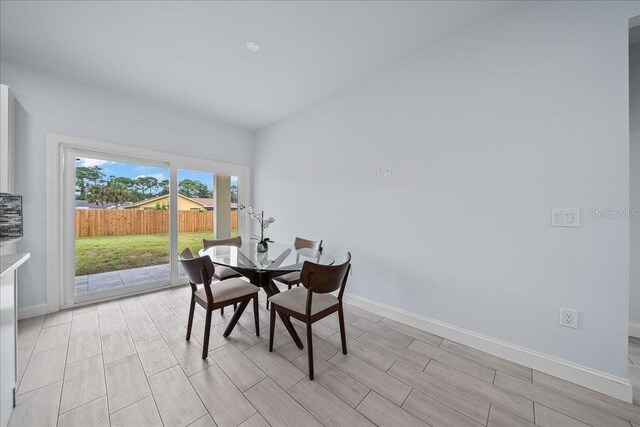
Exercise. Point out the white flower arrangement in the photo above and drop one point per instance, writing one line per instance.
(264, 222)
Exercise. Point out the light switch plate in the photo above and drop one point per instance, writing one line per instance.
(565, 217)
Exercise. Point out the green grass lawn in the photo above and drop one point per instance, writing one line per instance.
(100, 254)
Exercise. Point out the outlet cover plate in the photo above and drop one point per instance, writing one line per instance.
(569, 318)
(565, 217)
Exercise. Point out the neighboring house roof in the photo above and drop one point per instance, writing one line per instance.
(204, 202)
(83, 204)
(164, 196)
(210, 203)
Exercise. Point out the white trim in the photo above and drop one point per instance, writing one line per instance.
(56, 144)
(134, 290)
(32, 311)
(173, 223)
(41, 309)
(119, 292)
(7, 140)
(54, 224)
(634, 329)
(68, 195)
(177, 160)
(619, 388)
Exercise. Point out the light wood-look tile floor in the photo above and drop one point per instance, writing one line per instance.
(126, 363)
(634, 367)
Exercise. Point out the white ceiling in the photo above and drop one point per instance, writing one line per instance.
(192, 55)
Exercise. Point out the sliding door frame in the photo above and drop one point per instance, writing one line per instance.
(60, 211)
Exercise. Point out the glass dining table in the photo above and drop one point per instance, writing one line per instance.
(262, 268)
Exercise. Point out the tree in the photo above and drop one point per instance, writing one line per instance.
(117, 193)
(234, 194)
(164, 187)
(98, 194)
(85, 177)
(112, 192)
(130, 184)
(192, 188)
(147, 184)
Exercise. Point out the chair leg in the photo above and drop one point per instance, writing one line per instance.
(272, 327)
(255, 314)
(289, 285)
(310, 350)
(343, 334)
(235, 318)
(235, 306)
(207, 331)
(222, 311)
(192, 309)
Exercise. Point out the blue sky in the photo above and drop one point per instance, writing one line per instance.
(132, 170)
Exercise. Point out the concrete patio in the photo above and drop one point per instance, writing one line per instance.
(122, 278)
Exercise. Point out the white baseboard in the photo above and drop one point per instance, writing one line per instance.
(634, 329)
(32, 311)
(613, 386)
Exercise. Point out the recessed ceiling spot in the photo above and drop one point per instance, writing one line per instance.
(253, 46)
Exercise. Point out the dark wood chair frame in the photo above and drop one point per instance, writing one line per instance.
(187, 254)
(203, 266)
(300, 243)
(232, 241)
(321, 279)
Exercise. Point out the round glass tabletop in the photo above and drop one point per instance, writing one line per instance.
(278, 258)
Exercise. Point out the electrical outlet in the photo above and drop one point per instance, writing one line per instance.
(377, 171)
(569, 318)
(566, 217)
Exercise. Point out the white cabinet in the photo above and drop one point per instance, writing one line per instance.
(9, 262)
(7, 346)
(8, 332)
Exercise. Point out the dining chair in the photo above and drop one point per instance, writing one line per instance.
(227, 292)
(222, 272)
(187, 254)
(291, 279)
(313, 301)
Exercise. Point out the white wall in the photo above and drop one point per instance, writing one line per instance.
(486, 133)
(634, 138)
(48, 104)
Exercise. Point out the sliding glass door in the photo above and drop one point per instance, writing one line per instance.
(195, 210)
(121, 224)
(126, 218)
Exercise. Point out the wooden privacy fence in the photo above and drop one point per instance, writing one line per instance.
(128, 222)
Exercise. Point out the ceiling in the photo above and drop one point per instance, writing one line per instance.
(193, 55)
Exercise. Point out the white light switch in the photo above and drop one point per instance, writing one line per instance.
(565, 217)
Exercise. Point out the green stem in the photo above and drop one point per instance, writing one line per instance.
(262, 226)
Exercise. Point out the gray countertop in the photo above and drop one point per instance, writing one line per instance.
(8, 263)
